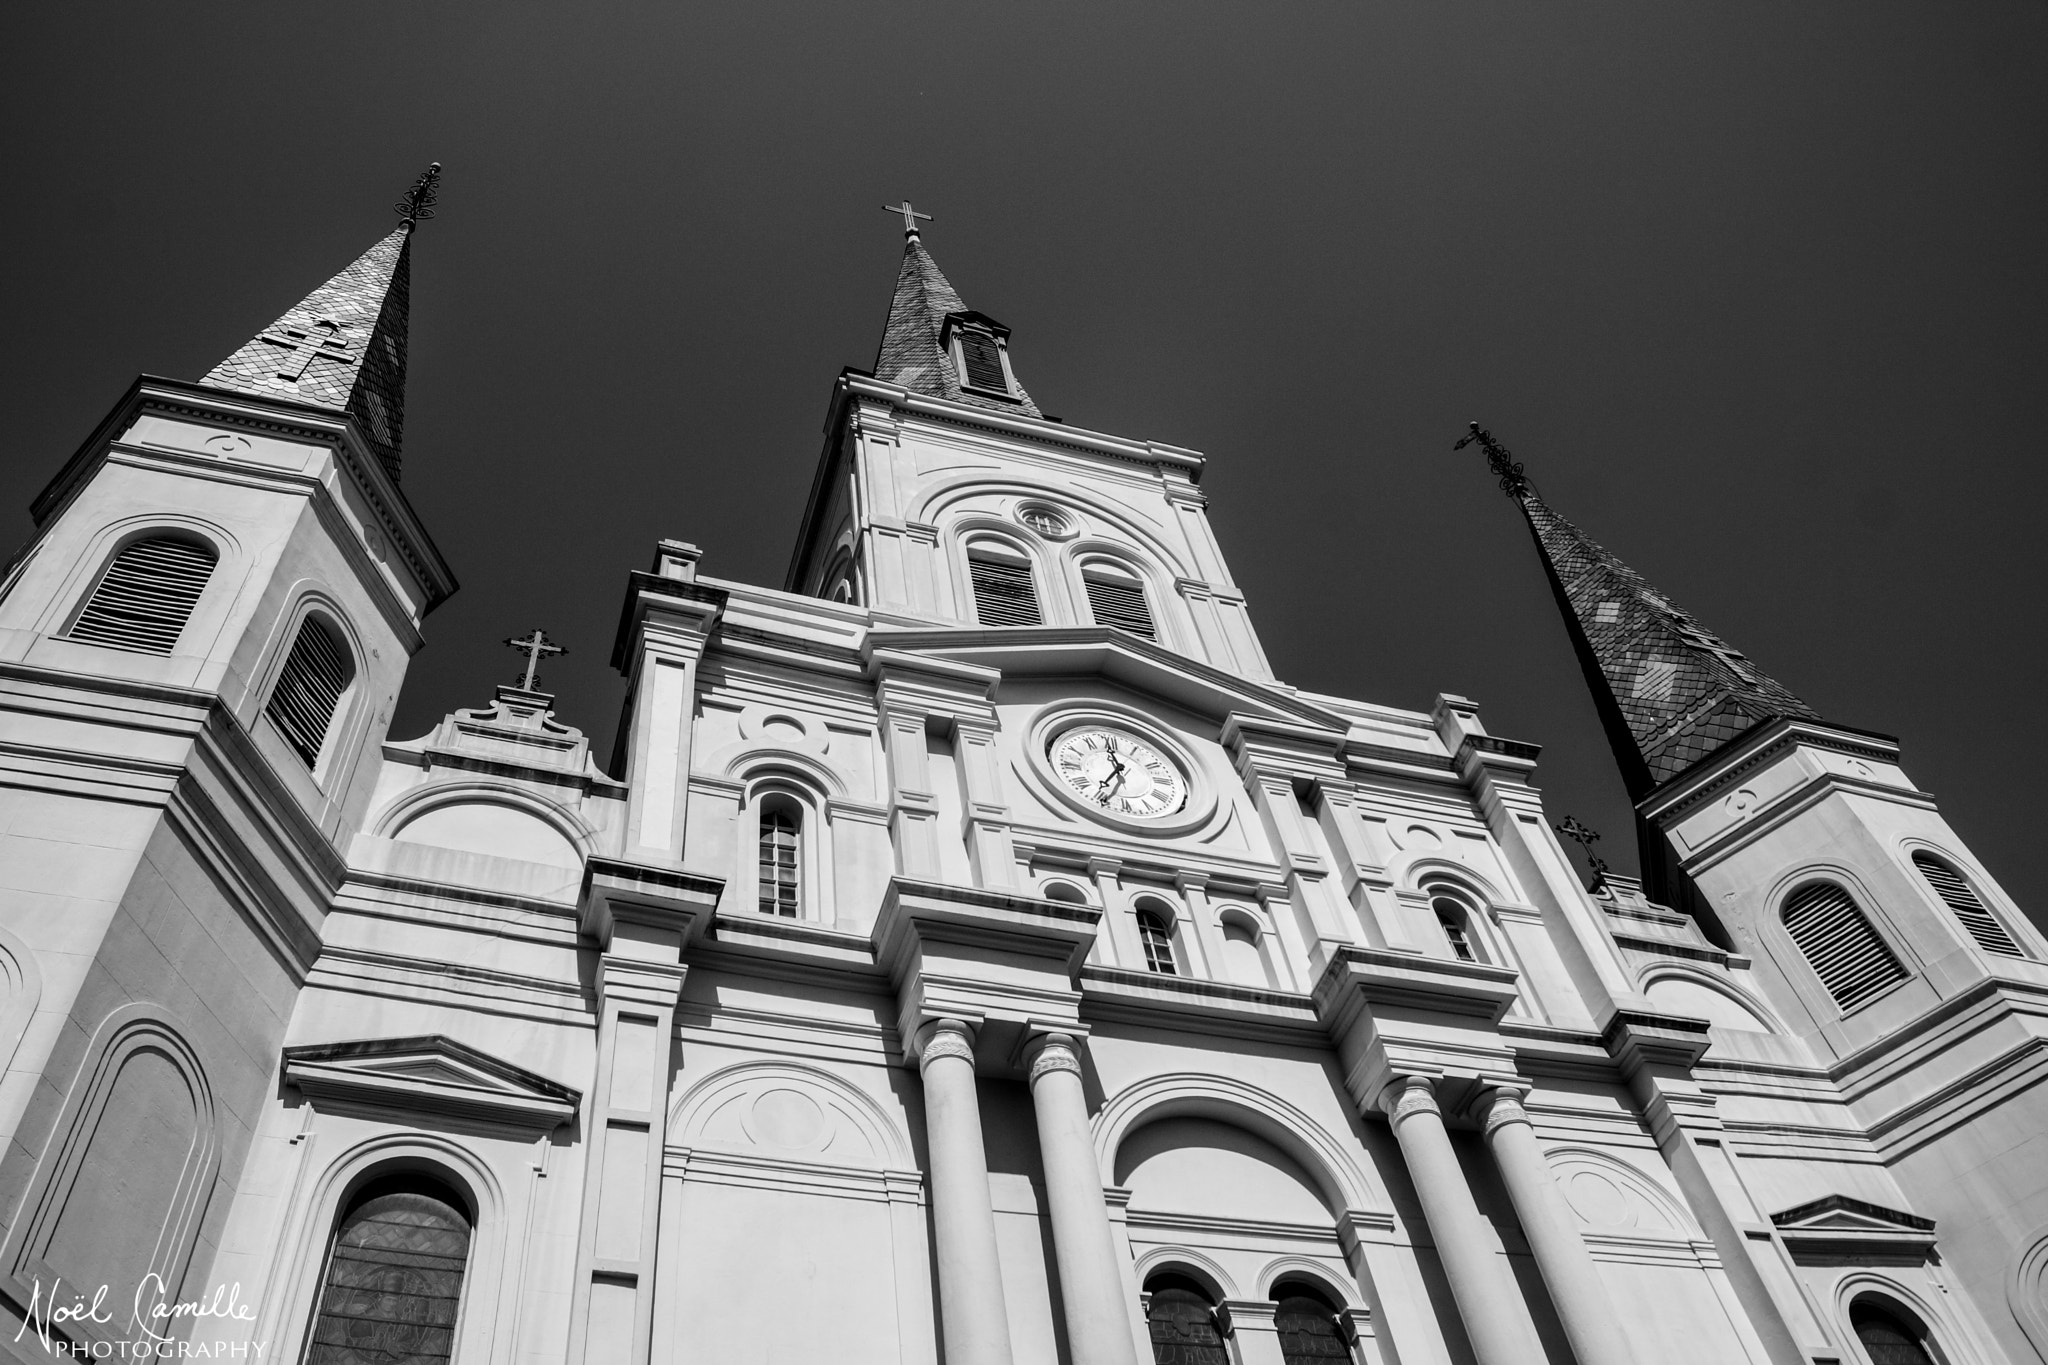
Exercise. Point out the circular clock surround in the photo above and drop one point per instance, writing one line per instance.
(1198, 807)
(1112, 770)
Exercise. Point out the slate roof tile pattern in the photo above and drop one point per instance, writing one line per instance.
(1679, 690)
(355, 326)
(910, 353)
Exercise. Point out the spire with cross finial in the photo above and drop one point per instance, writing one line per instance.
(915, 352)
(535, 646)
(343, 346)
(1669, 691)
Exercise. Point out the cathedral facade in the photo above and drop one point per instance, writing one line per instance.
(970, 953)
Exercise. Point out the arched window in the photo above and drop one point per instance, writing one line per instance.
(1307, 1323)
(1456, 922)
(1155, 931)
(1116, 598)
(315, 674)
(1888, 1337)
(1181, 1318)
(781, 845)
(1840, 944)
(1975, 917)
(1064, 891)
(146, 596)
(1004, 594)
(394, 1277)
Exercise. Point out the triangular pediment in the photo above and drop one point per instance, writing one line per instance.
(428, 1075)
(1838, 1227)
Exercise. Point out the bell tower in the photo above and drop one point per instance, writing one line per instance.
(200, 647)
(946, 497)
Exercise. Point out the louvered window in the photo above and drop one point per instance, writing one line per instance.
(1971, 912)
(981, 362)
(315, 674)
(1840, 944)
(780, 832)
(1003, 593)
(1158, 940)
(146, 596)
(1120, 604)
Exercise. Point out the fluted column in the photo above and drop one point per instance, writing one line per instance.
(1478, 1281)
(972, 1316)
(1098, 1325)
(1576, 1290)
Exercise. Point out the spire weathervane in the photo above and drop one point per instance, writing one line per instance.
(1585, 837)
(418, 204)
(535, 647)
(910, 216)
(1505, 466)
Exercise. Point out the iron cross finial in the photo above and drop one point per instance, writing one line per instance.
(535, 647)
(910, 216)
(1585, 837)
(1505, 466)
(417, 205)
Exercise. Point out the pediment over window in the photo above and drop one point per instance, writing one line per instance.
(1839, 1230)
(428, 1075)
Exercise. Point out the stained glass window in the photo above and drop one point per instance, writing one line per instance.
(394, 1280)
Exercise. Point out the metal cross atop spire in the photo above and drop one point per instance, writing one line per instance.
(535, 647)
(1585, 837)
(910, 216)
(418, 204)
(1513, 481)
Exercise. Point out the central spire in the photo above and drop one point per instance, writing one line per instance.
(1670, 691)
(934, 345)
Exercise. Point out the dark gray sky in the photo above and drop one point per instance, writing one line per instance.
(1757, 291)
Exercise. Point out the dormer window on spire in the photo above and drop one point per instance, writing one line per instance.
(979, 348)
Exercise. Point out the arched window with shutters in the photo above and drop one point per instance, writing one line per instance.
(393, 1287)
(781, 856)
(1963, 902)
(146, 595)
(1307, 1324)
(1180, 1317)
(1890, 1335)
(1005, 593)
(1841, 944)
(316, 672)
(1155, 932)
(1116, 598)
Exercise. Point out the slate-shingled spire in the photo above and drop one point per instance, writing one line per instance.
(1670, 691)
(343, 346)
(910, 353)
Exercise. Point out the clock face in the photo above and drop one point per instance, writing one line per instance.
(1114, 772)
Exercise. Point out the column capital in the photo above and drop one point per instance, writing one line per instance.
(1049, 1052)
(944, 1038)
(1499, 1104)
(1410, 1094)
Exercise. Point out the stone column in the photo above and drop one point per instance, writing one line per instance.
(972, 1316)
(1478, 1281)
(1576, 1290)
(1098, 1328)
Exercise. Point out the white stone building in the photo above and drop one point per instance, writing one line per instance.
(971, 953)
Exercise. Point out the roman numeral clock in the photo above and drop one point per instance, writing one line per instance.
(1119, 773)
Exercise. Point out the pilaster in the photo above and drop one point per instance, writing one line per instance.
(668, 621)
(914, 694)
(1275, 759)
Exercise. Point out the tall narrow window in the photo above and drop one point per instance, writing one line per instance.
(1119, 602)
(146, 595)
(1840, 944)
(1457, 931)
(981, 362)
(1969, 911)
(1157, 936)
(1888, 1338)
(309, 687)
(1003, 592)
(1181, 1320)
(1307, 1325)
(394, 1278)
(781, 831)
